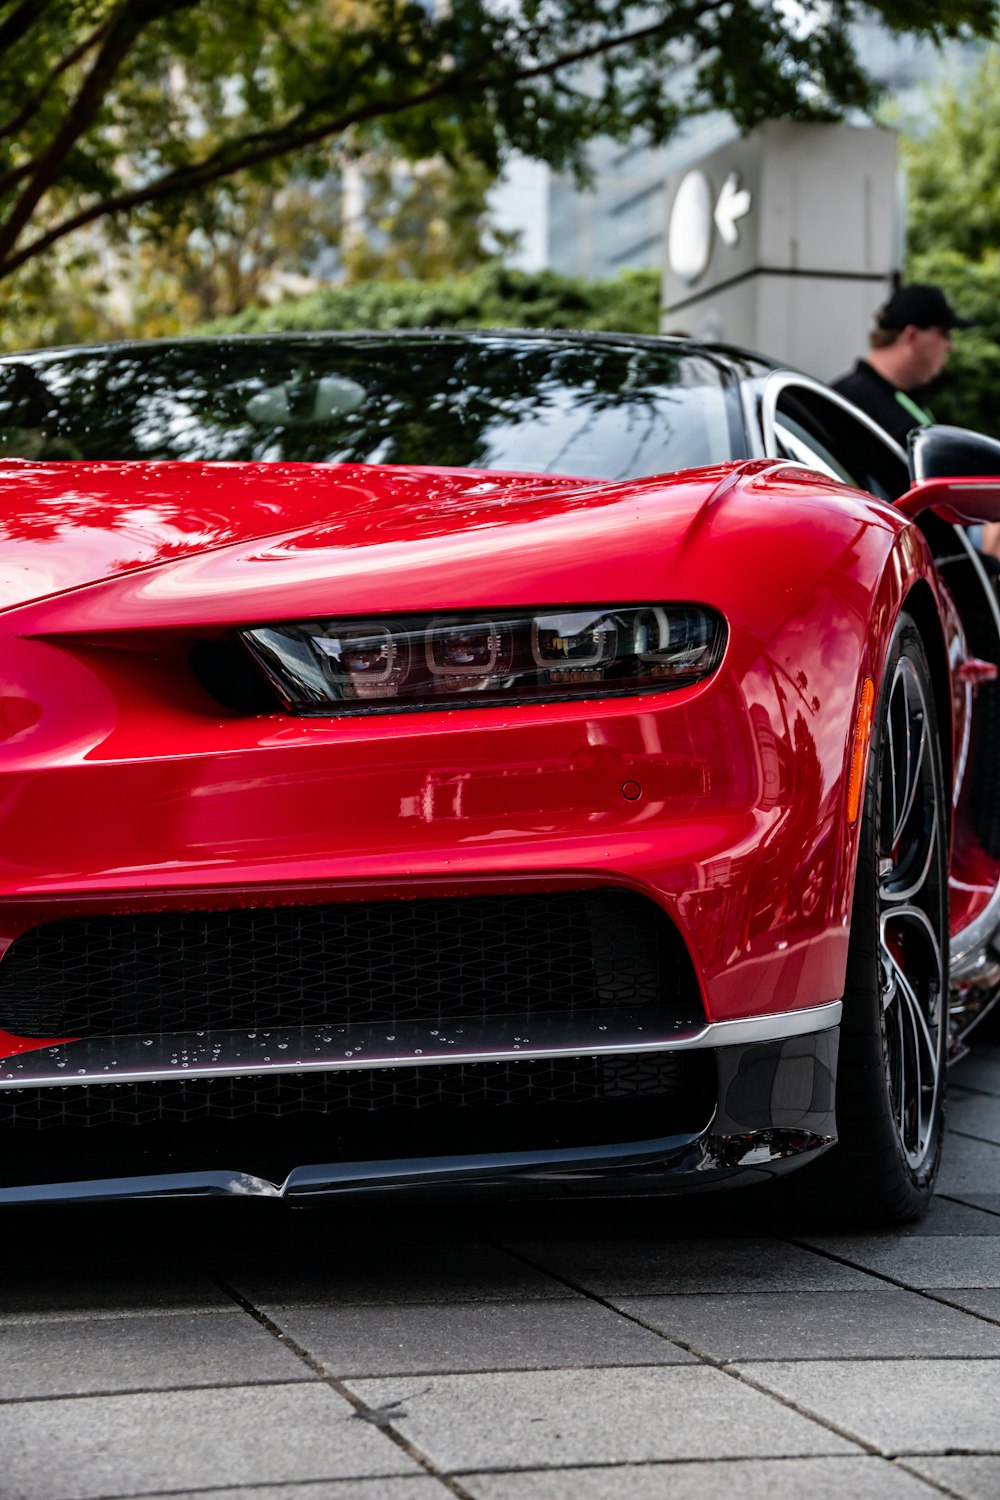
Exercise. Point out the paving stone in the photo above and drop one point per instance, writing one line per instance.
(475, 1336)
(90, 1447)
(947, 1217)
(446, 1272)
(986, 1301)
(980, 1070)
(64, 1289)
(763, 1479)
(976, 1115)
(899, 1406)
(635, 1268)
(969, 1167)
(816, 1325)
(567, 1417)
(988, 1202)
(974, 1478)
(76, 1358)
(938, 1261)
(426, 1487)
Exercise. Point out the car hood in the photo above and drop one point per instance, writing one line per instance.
(172, 538)
(65, 525)
(125, 547)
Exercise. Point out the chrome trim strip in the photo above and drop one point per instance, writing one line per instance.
(780, 380)
(330, 1049)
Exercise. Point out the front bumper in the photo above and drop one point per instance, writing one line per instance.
(773, 1109)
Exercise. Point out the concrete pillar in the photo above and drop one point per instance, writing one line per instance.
(785, 242)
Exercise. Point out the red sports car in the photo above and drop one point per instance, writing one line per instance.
(556, 763)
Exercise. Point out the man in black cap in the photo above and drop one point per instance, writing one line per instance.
(909, 345)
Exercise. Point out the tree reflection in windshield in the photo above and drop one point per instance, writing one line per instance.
(600, 409)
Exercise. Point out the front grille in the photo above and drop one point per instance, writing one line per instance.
(458, 1086)
(379, 962)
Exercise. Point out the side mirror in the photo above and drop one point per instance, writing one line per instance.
(955, 473)
(951, 453)
(963, 502)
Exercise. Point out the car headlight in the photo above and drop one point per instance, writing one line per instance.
(465, 660)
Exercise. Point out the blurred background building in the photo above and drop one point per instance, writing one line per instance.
(621, 221)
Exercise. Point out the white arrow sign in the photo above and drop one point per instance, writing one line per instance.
(733, 204)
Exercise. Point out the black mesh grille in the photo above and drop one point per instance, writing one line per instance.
(562, 1081)
(378, 962)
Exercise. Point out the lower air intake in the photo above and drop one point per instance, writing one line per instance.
(380, 962)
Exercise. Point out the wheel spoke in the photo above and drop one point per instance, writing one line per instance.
(914, 764)
(892, 778)
(900, 800)
(892, 894)
(905, 865)
(910, 953)
(900, 1074)
(917, 1091)
(920, 1027)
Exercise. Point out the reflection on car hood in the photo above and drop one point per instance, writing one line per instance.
(64, 526)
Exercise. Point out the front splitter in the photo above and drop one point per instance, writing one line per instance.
(774, 1111)
(672, 1164)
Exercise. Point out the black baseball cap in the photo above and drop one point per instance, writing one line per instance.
(921, 304)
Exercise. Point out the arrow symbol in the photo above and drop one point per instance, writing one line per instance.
(733, 204)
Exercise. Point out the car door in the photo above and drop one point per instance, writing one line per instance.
(800, 417)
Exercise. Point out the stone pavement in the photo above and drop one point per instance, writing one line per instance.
(684, 1350)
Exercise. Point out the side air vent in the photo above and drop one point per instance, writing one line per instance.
(227, 674)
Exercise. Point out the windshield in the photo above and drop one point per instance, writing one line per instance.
(601, 410)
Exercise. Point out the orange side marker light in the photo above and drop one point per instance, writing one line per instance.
(859, 758)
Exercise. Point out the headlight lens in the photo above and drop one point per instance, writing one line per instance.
(466, 660)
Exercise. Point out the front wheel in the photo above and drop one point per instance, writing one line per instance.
(891, 1073)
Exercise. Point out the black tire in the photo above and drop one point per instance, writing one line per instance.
(893, 1040)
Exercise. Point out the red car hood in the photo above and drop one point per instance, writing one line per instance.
(219, 542)
(64, 525)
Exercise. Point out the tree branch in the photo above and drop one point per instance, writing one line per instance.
(34, 102)
(300, 132)
(20, 21)
(123, 29)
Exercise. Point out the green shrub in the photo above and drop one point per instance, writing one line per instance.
(492, 297)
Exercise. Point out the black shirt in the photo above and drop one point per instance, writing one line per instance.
(880, 400)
